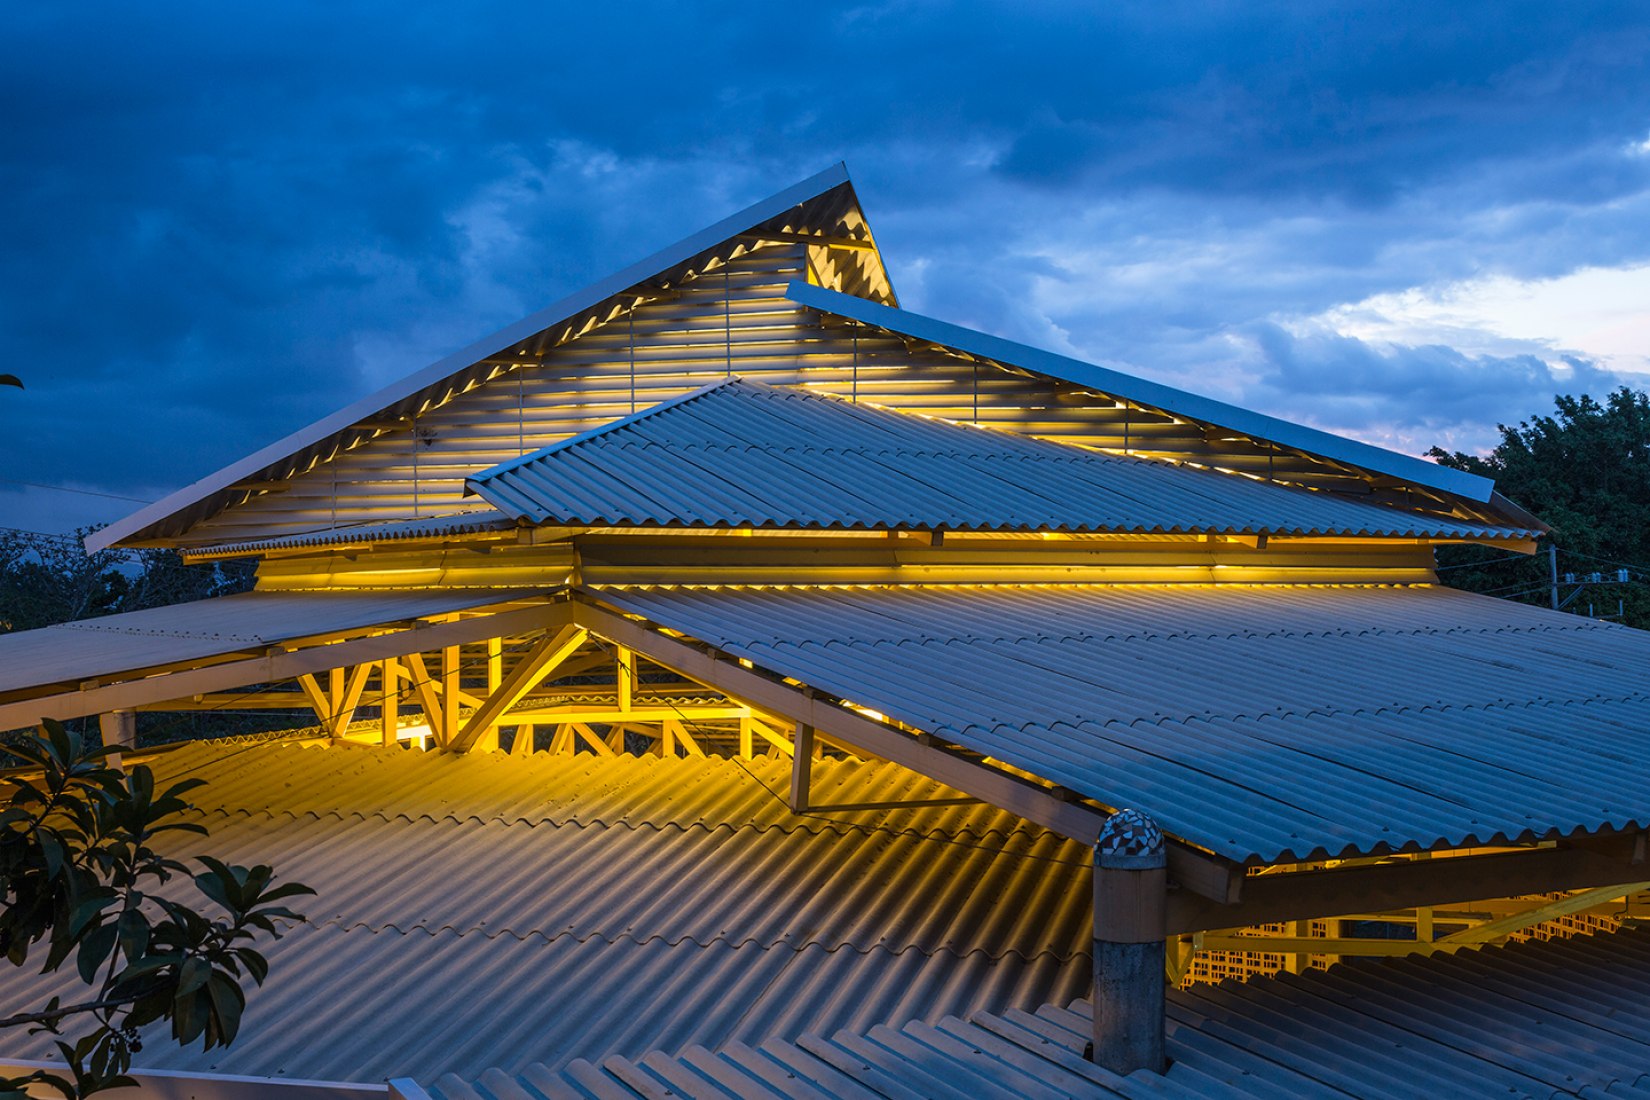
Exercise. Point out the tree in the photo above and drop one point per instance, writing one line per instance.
(1585, 471)
(80, 880)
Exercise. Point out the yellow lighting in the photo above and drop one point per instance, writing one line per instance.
(419, 734)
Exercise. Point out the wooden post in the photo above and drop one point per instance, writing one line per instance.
(1130, 891)
(449, 695)
(488, 741)
(801, 767)
(119, 730)
(625, 677)
(389, 709)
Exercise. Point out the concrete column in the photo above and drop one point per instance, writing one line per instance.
(1130, 884)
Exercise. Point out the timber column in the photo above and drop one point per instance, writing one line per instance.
(1130, 882)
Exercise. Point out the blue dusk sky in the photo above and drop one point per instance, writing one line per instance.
(1403, 222)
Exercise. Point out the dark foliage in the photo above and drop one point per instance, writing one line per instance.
(81, 886)
(1584, 471)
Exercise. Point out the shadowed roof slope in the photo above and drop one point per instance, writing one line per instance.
(1266, 723)
(1564, 1019)
(742, 453)
(509, 910)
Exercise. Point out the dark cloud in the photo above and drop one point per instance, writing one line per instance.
(224, 221)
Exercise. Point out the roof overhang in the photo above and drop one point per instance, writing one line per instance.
(123, 662)
(1152, 395)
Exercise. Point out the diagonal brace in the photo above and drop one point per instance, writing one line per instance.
(543, 660)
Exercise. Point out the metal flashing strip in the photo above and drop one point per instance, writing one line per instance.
(1153, 394)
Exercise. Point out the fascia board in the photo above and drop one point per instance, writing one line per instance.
(551, 315)
(1154, 394)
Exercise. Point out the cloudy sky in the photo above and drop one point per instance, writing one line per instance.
(1406, 222)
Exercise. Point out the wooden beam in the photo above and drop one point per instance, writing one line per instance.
(1407, 884)
(355, 682)
(761, 730)
(1563, 907)
(679, 731)
(317, 698)
(389, 706)
(802, 768)
(279, 665)
(488, 741)
(589, 737)
(1318, 945)
(538, 663)
(810, 238)
(624, 675)
(424, 687)
(1204, 874)
(449, 694)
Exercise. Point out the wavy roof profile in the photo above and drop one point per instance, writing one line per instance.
(742, 453)
(1268, 724)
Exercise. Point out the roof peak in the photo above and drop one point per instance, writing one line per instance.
(180, 510)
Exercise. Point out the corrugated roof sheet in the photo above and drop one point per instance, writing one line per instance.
(480, 521)
(1266, 723)
(488, 910)
(1566, 1018)
(741, 453)
(1144, 391)
(117, 644)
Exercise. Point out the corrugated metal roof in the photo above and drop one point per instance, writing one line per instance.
(114, 645)
(741, 453)
(1566, 1018)
(823, 198)
(488, 910)
(480, 521)
(1152, 394)
(1265, 723)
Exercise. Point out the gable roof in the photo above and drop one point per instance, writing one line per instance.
(1141, 391)
(816, 206)
(741, 453)
(1265, 723)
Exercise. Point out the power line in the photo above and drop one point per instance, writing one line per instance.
(70, 489)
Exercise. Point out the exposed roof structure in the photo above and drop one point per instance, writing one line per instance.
(785, 671)
(1152, 394)
(653, 902)
(1567, 1018)
(739, 453)
(822, 208)
(248, 623)
(1264, 723)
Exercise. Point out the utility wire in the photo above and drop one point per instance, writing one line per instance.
(68, 489)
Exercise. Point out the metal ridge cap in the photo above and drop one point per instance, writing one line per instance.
(1156, 394)
(683, 250)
